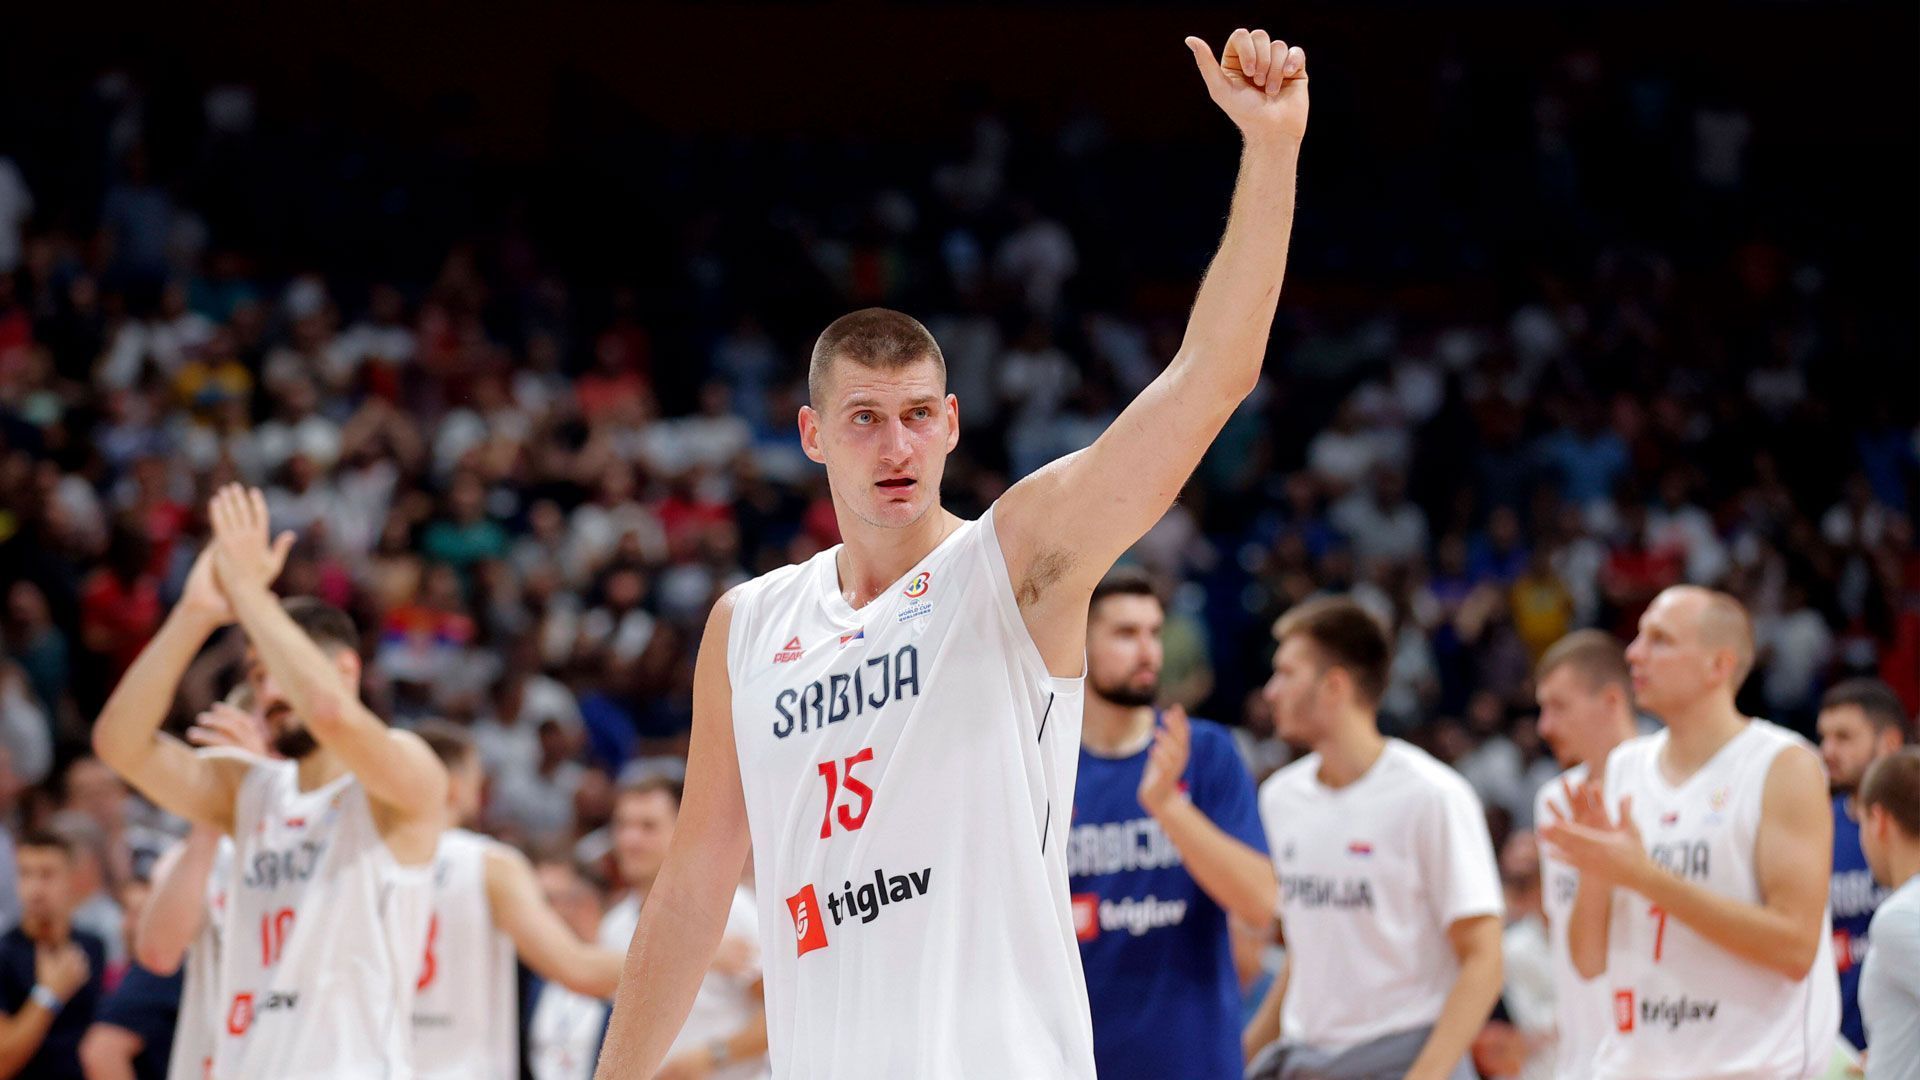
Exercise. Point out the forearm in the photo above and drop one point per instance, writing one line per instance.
(1227, 332)
(107, 1052)
(1264, 1028)
(1761, 935)
(1235, 876)
(20, 1037)
(304, 673)
(587, 969)
(680, 927)
(124, 733)
(176, 906)
(1462, 1016)
(1587, 927)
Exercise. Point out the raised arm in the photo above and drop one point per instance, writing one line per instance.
(397, 769)
(539, 934)
(1231, 872)
(1069, 521)
(127, 735)
(177, 907)
(684, 916)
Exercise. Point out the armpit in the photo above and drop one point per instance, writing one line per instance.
(1048, 567)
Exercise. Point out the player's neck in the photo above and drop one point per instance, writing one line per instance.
(1596, 763)
(319, 769)
(1697, 733)
(1111, 730)
(872, 559)
(1903, 862)
(1350, 750)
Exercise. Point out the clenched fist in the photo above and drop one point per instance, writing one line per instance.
(1259, 82)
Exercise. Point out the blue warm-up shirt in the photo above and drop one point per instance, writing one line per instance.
(1160, 978)
(1855, 897)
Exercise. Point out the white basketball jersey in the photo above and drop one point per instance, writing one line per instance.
(1582, 1008)
(200, 999)
(908, 770)
(324, 937)
(1681, 1005)
(466, 1015)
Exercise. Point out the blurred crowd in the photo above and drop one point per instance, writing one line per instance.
(529, 485)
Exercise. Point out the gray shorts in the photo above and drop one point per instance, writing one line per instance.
(1386, 1058)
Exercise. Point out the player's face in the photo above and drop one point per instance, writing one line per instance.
(884, 437)
(1876, 827)
(1294, 691)
(1124, 652)
(1671, 666)
(46, 885)
(286, 732)
(1573, 714)
(642, 830)
(1848, 744)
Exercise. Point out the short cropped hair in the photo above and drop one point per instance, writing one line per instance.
(1872, 697)
(1124, 581)
(1597, 655)
(878, 338)
(1347, 635)
(1894, 782)
(449, 742)
(328, 626)
(649, 785)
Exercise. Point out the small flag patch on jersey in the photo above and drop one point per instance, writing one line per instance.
(1360, 848)
(1670, 817)
(857, 635)
(789, 653)
(296, 823)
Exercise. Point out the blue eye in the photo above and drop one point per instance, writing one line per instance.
(862, 417)
(922, 414)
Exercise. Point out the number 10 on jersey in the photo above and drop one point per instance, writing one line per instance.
(839, 774)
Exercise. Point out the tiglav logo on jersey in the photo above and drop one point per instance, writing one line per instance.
(789, 652)
(1134, 915)
(1668, 1013)
(863, 903)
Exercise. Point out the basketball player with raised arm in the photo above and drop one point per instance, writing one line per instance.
(895, 723)
(487, 906)
(1585, 694)
(327, 917)
(1703, 904)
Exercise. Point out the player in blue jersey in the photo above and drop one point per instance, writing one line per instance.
(1166, 846)
(1861, 721)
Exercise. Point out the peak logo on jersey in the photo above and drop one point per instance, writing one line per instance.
(918, 587)
(789, 653)
(809, 931)
(857, 635)
(1360, 848)
(1086, 916)
(1671, 817)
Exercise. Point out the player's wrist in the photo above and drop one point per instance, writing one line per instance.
(46, 997)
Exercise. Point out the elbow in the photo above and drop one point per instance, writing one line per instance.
(325, 715)
(1797, 960)
(155, 957)
(106, 747)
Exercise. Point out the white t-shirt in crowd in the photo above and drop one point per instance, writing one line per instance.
(1890, 987)
(724, 1004)
(1372, 875)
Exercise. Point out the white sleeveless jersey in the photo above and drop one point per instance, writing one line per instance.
(466, 1015)
(325, 934)
(200, 998)
(1681, 1005)
(1582, 1008)
(908, 770)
